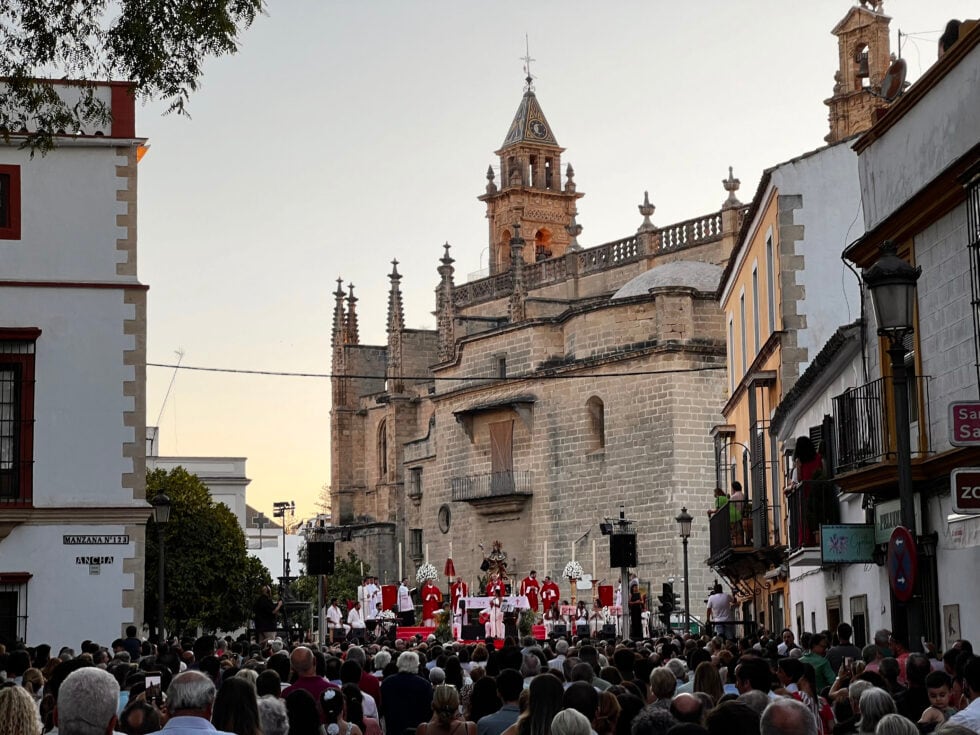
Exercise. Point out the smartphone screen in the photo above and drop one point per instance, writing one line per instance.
(848, 662)
(152, 680)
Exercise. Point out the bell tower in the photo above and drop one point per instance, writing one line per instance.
(862, 40)
(530, 192)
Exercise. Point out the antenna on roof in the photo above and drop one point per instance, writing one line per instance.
(529, 78)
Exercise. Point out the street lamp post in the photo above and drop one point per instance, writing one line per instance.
(684, 520)
(161, 515)
(280, 510)
(891, 282)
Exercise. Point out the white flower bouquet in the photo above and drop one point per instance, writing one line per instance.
(426, 572)
(573, 570)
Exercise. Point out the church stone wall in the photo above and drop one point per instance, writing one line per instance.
(657, 458)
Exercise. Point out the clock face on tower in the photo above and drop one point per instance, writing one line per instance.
(538, 129)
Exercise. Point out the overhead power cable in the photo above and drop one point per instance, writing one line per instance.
(486, 378)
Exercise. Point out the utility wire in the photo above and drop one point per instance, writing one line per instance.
(488, 378)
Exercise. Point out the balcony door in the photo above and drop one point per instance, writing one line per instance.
(502, 457)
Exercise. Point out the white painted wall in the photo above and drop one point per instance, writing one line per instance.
(66, 604)
(831, 217)
(810, 584)
(69, 236)
(224, 477)
(68, 216)
(939, 129)
(79, 401)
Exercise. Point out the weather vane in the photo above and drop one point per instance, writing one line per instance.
(529, 87)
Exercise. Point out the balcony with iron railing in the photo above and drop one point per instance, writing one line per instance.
(493, 492)
(741, 544)
(810, 504)
(730, 527)
(864, 421)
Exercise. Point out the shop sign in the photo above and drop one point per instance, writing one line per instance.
(964, 423)
(888, 517)
(847, 543)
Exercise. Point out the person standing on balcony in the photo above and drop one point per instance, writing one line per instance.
(735, 505)
(807, 467)
(721, 500)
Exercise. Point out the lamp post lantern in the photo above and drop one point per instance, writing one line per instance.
(684, 520)
(891, 282)
(161, 516)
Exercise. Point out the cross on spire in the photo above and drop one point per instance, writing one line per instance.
(529, 78)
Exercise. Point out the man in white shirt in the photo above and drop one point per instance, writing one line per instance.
(720, 612)
(355, 621)
(788, 644)
(335, 621)
(406, 608)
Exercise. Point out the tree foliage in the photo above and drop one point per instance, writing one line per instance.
(160, 45)
(210, 580)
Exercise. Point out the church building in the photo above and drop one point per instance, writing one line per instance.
(568, 386)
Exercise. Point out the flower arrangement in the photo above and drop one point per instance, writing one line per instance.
(386, 615)
(426, 572)
(573, 570)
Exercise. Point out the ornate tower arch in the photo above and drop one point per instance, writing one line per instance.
(863, 47)
(530, 192)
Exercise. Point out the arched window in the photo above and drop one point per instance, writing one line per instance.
(383, 451)
(542, 244)
(597, 423)
(862, 73)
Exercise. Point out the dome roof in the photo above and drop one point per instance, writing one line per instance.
(684, 273)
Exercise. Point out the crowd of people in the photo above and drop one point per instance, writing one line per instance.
(677, 684)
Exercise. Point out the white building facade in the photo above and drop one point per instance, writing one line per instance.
(72, 385)
(919, 173)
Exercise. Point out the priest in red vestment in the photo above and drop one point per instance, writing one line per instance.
(458, 589)
(549, 593)
(531, 588)
(496, 586)
(431, 602)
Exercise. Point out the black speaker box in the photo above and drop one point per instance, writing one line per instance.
(474, 632)
(319, 557)
(622, 550)
(582, 631)
(559, 630)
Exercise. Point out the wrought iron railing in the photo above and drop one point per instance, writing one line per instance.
(864, 421)
(809, 504)
(729, 526)
(491, 485)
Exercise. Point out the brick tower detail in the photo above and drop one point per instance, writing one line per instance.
(530, 190)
